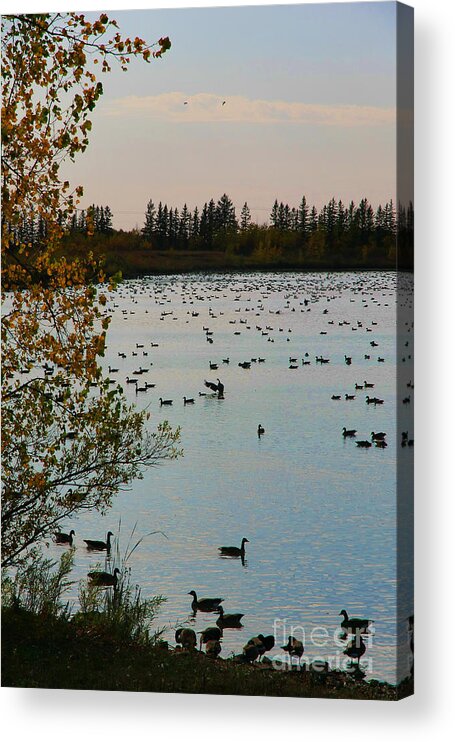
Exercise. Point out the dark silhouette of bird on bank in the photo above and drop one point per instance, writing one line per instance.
(257, 646)
(213, 648)
(294, 648)
(218, 387)
(186, 638)
(211, 633)
(356, 648)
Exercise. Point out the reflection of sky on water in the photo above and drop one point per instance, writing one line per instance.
(319, 512)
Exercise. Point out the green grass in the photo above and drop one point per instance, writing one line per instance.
(54, 652)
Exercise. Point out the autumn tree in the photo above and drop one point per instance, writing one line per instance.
(70, 441)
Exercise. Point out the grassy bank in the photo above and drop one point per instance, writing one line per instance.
(39, 652)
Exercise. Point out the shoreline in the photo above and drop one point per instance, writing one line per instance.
(38, 651)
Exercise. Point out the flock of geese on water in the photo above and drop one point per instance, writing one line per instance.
(212, 636)
(216, 388)
(163, 292)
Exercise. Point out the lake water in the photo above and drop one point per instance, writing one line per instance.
(319, 512)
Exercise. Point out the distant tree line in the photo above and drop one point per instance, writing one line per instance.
(33, 231)
(354, 231)
(335, 235)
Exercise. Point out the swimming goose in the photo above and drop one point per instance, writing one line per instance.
(64, 538)
(261, 430)
(165, 401)
(188, 401)
(363, 444)
(294, 648)
(234, 551)
(206, 605)
(378, 436)
(348, 433)
(100, 545)
(229, 620)
(354, 625)
(104, 579)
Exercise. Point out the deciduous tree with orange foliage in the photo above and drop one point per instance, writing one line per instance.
(70, 441)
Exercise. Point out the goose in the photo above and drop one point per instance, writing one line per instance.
(363, 444)
(294, 648)
(213, 366)
(64, 538)
(186, 637)
(113, 370)
(225, 360)
(349, 396)
(104, 579)
(165, 402)
(218, 387)
(206, 605)
(349, 433)
(347, 360)
(141, 388)
(367, 385)
(234, 551)
(356, 649)
(261, 430)
(359, 386)
(336, 396)
(100, 545)
(229, 620)
(380, 444)
(378, 436)
(251, 650)
(211, 633)
(354, 625)
(131, 381)
(213, 648)
(187, 400)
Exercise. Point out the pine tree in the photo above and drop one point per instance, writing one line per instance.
(148, 229)
(302, 224)
(274, 215)
(245, 218)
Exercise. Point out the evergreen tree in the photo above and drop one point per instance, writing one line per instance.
(274, 215)
(245, 218)
(148, 229)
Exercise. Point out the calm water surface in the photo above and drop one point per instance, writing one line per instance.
(319, 513)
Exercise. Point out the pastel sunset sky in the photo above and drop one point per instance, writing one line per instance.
(309, 108)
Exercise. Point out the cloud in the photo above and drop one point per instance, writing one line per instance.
(209, 108)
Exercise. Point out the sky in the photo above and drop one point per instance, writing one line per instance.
(309, 109)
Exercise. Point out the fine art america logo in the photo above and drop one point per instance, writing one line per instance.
(307, 648)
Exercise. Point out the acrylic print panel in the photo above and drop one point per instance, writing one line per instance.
(207, 265)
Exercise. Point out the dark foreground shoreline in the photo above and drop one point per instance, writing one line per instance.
(42, 652)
